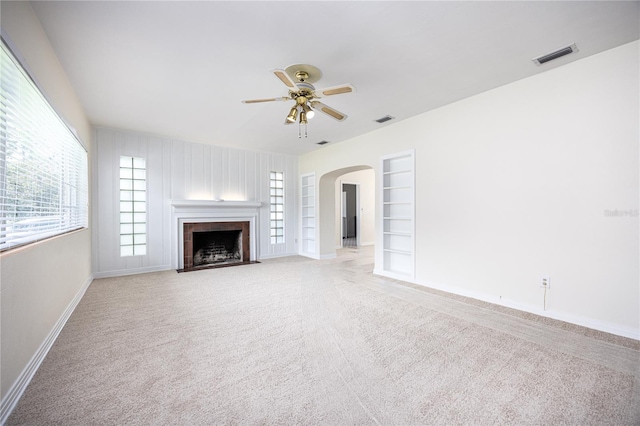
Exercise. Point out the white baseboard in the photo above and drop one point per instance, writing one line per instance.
(273, 256)
(309, 255)
(123, 272)
(557, 315)
(632, 333)
(576, 319)
(20, 385)
(395, 276)
(319, 256)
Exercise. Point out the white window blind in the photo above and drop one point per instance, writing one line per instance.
(43, 167)
(277, 207)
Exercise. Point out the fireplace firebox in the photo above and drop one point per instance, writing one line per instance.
(217, 247)
(212, 244)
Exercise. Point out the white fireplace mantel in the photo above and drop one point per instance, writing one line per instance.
(189, 211)
(208, 204)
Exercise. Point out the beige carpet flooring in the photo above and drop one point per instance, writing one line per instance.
(299, 341)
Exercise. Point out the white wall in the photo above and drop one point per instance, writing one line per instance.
(182, 171)
(39, 283)
(366, 182)
(514, 184)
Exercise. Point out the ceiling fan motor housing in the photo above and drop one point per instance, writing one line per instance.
(305, 86)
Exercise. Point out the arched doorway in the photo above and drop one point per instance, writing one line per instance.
(327, 207)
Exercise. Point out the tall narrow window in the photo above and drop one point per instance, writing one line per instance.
(277, 207)
(133, 206)
(43, 166)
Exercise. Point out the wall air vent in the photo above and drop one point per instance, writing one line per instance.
(322, 142)
(555, 55)
(383, 119)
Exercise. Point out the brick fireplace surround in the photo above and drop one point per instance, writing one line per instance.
(190, 228)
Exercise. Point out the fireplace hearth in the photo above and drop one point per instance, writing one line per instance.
(215, 244)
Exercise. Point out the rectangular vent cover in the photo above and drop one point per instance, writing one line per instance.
(384, 119)
(555, 55)
(322, 142)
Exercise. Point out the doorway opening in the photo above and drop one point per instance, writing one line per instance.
(350, 215)
(328, 190)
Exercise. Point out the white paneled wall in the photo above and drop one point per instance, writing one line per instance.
(181, 171)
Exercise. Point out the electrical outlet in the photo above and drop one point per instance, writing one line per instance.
(545, 282)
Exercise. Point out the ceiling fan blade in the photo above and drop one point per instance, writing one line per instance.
(333, 113)
(335, 90)
(255, 101)
(284, 77)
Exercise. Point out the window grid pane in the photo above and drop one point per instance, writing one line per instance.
(133, 207)
(276, 191)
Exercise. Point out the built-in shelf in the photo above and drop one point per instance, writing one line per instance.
(406, 234)
(308, 207)
(398, 214)
(386, 188)
(406, 252)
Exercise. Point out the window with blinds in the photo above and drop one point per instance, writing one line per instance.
(133, 206)
(276, 188)
(43, 167)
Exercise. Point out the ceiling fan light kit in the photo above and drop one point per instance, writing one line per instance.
(291, 118)
(307, 109)
(299, 79)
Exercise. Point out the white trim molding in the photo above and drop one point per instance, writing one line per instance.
(124, 272)
(16, 390)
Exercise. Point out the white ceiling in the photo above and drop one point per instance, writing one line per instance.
(180, 69)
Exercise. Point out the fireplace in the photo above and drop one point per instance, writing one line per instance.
(208, 215)
(210, 244)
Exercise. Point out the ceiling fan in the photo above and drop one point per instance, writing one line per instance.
(299, 79)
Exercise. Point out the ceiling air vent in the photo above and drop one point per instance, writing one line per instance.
(384, 119)
(322, 142)
(555, 55)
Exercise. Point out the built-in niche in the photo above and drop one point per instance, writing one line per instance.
(398, 215)
(308, 206)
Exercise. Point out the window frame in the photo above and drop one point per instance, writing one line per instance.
(132, 201)
(276, 208)
(38, 210)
